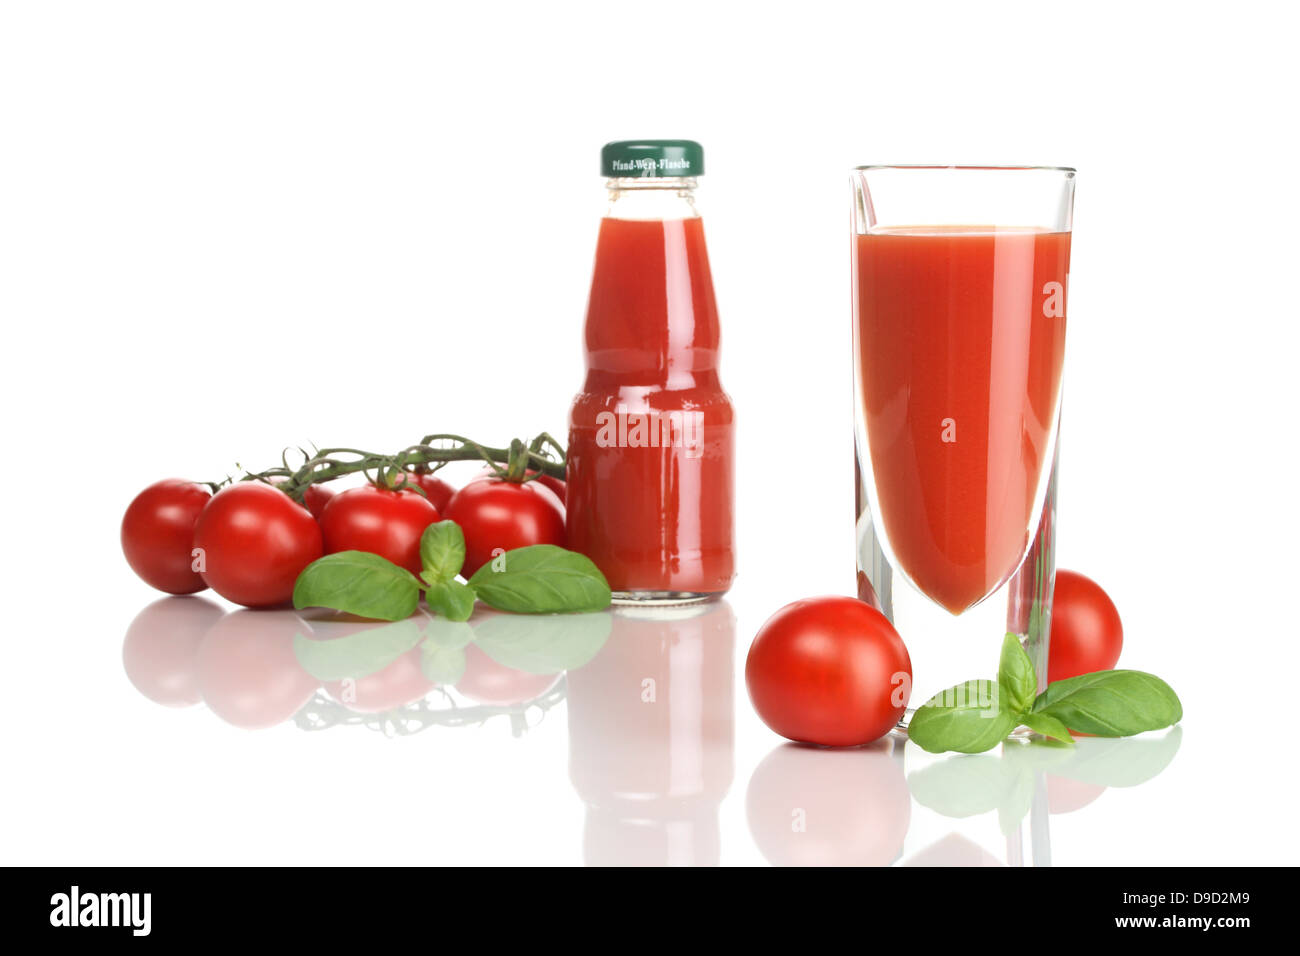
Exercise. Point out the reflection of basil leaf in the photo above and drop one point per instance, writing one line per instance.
(1016, 677)
(542, 579)
(358, 654)
(1116, 762)
(542, 645)
(1016, 803)
(442, 655)
(358, 583)
(1111, 703)
(967, 718)
(451, 599)
(442, 551)
(961, 786)
(1048, 726)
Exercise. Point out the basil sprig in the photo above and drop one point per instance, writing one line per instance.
(539, 579)
(977, 715)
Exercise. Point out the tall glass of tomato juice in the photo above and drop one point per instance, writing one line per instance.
(960, 281)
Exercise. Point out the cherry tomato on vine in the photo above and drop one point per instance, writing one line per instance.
(379, 520)
(158, 535)
(254, 541)
(316, 497)
(498, 515)
(556, 485)
(830, 671)
(1086, 634)
(437, 490)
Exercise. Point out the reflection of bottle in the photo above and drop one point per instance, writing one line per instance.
(650, 436)
(651, 736)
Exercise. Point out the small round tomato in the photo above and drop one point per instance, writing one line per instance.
(160, 652)
(248, 672)
(437, 490)
(830, 671)
(158, 535)
(498, 515)
(253, 541)
(1086, 632)
(556, 485)
(379, 520)
(315, 498)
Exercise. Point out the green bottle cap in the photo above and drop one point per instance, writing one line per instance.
(652, 157)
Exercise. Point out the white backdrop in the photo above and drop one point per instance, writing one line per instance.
(230, 227)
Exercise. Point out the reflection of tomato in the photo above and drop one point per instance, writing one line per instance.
(248, 672)
(498, 515)
(158, 535)
(1065, 795)
(437, 490)
(813, 807)
(254, 541)
(1086, 633)
(829, 670)
(379, 520)
(400, 683)
(160, 653)
(487, 682)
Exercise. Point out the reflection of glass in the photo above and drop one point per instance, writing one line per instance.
(960, 276)
(651, 736)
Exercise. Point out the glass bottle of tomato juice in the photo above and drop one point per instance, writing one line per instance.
(651, 432)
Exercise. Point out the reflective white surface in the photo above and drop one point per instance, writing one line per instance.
(210, 735)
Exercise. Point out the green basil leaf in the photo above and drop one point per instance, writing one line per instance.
(1047, 725)
(358, 654)
(442, 551)
(1111, 703)
(541, 579)
(967, 718)
(543, 645)
(451, 599)
(1016, 678)
(359, 583)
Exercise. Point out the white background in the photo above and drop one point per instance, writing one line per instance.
(230, 227)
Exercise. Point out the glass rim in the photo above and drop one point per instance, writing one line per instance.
(1050, 169)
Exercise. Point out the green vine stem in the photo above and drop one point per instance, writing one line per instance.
(519, 462)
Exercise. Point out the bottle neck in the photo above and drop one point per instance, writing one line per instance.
(651, 197)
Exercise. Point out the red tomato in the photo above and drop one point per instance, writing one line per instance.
(254, 541)
(315, 497)
(160, 653)
(384, 522)
(830, 671)
(556, 485)
(158, 535)
(498, 515)
(438, 492)
(1086, 633)
(248, 672)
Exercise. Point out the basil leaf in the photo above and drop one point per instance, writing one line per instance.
(967, 718)
(543, 645)
(442, 552)
(451, 599)
(359, 583)
(1047, 725)
(1016, 678)
(542, 579)
(358, 654)
(1111, 703)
